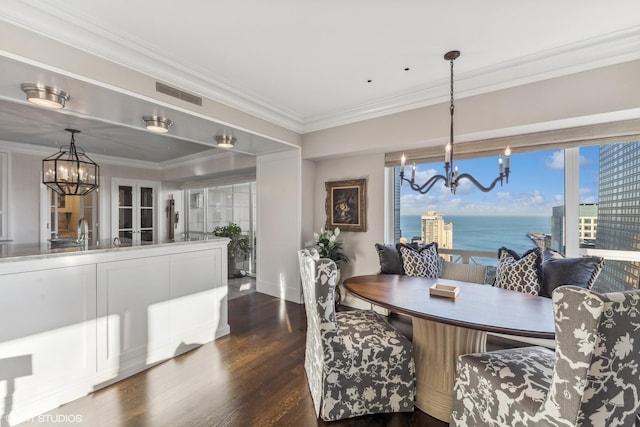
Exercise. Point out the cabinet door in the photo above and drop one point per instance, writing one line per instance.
(133, 308)
(135, 213)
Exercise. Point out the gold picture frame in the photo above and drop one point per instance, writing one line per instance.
(346, 205)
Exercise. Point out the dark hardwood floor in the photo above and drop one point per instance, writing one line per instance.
(253, 377)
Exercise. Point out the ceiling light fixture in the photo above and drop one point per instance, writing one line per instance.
(157, 124)
(451, 178)
(45, 96)
(225, 141)
(71, 172)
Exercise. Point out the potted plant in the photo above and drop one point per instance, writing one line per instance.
(238, 245)
(329, 246)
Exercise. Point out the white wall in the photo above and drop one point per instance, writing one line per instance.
(601, 95)
(279, 229)
(358, 246)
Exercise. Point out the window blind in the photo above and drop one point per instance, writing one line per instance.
(596, 134)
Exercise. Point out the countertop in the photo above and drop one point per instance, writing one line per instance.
(11, 252)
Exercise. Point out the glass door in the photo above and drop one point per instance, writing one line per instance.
(146, 211)
(125, 214)
(136, 211)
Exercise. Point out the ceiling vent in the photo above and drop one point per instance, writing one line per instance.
(177, 93)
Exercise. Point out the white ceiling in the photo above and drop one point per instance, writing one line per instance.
(305, 64)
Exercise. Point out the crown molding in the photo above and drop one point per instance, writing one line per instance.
(78, 32)
(619, 47)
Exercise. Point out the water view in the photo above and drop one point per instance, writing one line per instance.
(485, 233)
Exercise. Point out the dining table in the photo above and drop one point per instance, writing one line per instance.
(445, 327)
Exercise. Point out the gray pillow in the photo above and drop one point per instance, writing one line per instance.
(389, 259)
(558, 270)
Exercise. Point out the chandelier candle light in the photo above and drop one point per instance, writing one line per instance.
(70, 171)
(452, 178)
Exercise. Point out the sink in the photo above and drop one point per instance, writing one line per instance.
(64, 243)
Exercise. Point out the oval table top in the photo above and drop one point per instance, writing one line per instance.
(481, 307)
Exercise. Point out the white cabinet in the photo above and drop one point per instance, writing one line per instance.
(47, 338)
(151, 309)
(73, 323)
(128, 293)
(134, 218)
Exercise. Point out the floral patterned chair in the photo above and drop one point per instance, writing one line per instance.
(356, 362)
(592, 378)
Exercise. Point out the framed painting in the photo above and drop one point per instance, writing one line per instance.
(346, 205)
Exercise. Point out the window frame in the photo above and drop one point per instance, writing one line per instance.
(571, 203)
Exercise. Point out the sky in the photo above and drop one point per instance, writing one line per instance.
(536, 184)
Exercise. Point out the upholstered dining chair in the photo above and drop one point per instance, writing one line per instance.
(356, 363)
(592, 378)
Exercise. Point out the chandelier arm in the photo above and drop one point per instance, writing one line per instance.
(424, 188)
(451, 177)
(477, 184)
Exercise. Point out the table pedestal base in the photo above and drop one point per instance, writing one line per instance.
(436, 347)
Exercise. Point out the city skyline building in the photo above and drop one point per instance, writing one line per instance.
(587, 223)
(619, 213)
(435, 229)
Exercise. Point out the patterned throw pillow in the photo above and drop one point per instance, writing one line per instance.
(519, 273)
(422, 262)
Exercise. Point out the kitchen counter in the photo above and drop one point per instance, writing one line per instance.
(11, 252)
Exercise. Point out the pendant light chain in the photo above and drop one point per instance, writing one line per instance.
(451, 178)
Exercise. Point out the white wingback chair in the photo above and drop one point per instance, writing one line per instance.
(592, 379)
(356, 362)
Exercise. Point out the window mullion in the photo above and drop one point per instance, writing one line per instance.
(572, 201)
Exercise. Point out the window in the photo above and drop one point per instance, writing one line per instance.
(579, 201)
(219, 205)
(516, 215)
(4, 186)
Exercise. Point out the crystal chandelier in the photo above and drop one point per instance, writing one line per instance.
(452, 177)
(70, 171)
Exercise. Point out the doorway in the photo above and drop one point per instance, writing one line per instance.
(62, 214)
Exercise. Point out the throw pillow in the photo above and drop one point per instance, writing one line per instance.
(422, 262)
(519, 273)
(558, 270)
(389, 259)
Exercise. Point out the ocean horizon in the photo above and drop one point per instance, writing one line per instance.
(484, 232)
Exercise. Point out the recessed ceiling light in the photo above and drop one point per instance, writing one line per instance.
(225, 141)
(157, 124)
(45, 96)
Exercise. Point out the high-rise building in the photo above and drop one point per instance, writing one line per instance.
(619, 213)
(588, 223)
(434, 229)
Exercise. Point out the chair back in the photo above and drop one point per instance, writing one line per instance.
(318, 287)
(597, 374)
